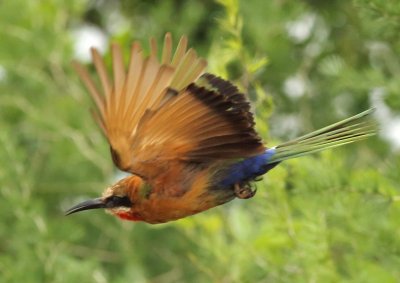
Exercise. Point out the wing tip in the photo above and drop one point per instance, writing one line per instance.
(233, 106)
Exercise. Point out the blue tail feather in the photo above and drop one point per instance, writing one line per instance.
(248, 169)
(346, 131)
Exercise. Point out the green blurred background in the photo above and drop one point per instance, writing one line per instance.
(330, 217)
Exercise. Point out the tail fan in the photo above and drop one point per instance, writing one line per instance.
(346, 131)
(350, 130)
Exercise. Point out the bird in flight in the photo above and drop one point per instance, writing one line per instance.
(186, 136)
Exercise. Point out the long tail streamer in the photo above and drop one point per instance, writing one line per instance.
(346, 131)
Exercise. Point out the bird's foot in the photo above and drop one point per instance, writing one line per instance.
(244, 192)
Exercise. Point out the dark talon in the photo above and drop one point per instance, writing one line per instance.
(244, 192)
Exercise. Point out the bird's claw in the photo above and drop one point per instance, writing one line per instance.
(244, 192)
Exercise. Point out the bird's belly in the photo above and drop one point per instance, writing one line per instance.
(174, 199)
(161, 210)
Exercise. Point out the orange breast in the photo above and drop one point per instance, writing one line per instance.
(161, 207)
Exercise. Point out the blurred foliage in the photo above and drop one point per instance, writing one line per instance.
(331, 217)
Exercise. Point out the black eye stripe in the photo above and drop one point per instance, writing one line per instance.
(115, 201)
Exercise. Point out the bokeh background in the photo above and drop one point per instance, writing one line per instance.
(330, 217)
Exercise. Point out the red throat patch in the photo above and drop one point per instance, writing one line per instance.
(128, 216)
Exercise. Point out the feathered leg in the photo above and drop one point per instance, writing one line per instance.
(244, 191)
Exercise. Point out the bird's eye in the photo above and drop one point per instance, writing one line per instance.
(116, 201)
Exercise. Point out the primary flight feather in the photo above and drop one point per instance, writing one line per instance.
(186, 136)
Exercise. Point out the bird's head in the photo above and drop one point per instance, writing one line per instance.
(118, 200)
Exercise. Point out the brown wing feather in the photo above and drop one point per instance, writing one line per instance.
(197, 125)
(147, 84)
(155, 117)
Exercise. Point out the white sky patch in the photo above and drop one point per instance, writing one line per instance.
(389, 123)
(313, 49)
(118, 175)
(342, 103)
(116, 22)
(87, 36)
(300, 30)
(289, 125)
(294, 86)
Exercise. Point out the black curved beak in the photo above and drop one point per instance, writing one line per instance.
(86, 205)
(110, 202)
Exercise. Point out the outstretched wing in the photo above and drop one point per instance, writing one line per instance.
(154, 115)
(198, 125)
(146, 85)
